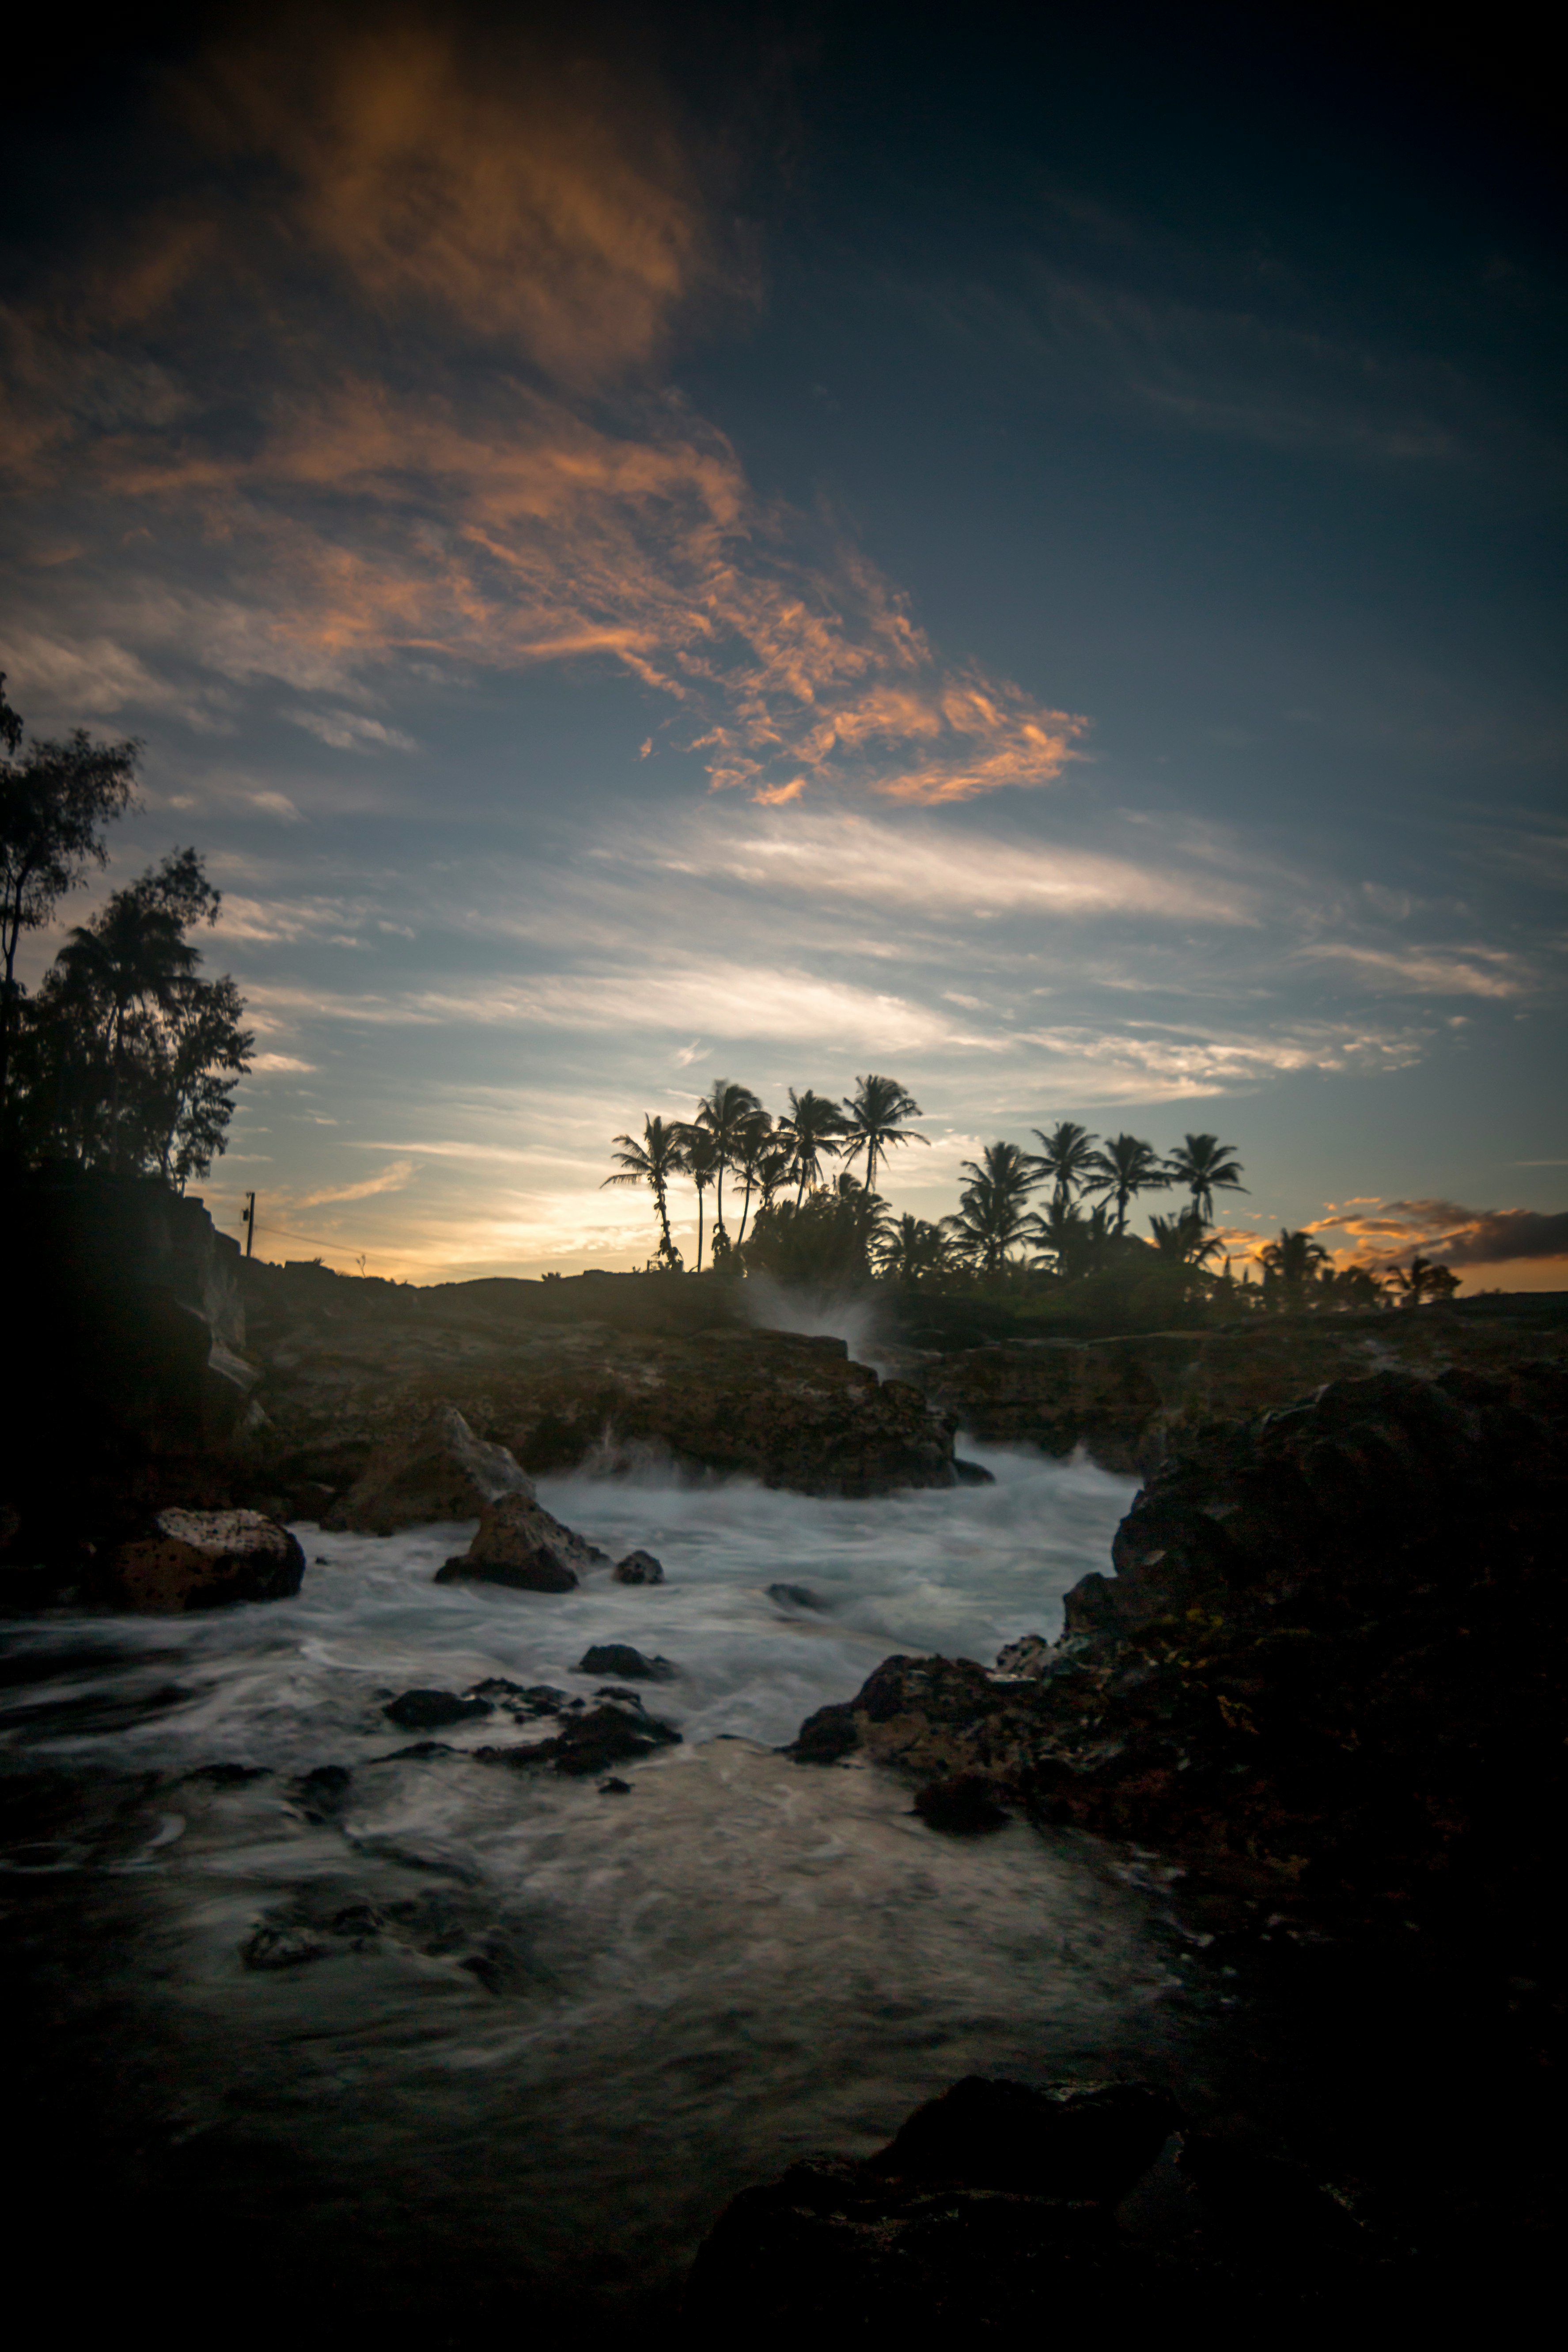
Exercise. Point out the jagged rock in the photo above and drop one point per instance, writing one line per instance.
(518, 1544)
(1027, 1658)
(617, 1731)
(205, 1560)
(432, 1710)
(620, 1658)
(640, 1567)
(441, 1472)
(965, 1804)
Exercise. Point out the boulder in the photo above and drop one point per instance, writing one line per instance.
(518, 1543)
(640, 1567)
(205, 1560)
(796, 1596)
(441, 1471)
(617, 1731)
(433, 1710)
(994, 2134)
(620, 1658)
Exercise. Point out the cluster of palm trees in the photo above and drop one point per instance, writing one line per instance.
(1084, 1219)
(766, 1157)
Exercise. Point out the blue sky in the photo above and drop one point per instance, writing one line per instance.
(649, 551)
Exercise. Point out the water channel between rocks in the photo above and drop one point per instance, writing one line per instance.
(548, 2028)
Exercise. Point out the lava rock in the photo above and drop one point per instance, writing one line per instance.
(518, 1544)
(440, 1470)
(964, 1804)
(638, 1567)
(1026, 1660)
(1089, 2146)
(433, 1710)
(832, 1732)
(615, 1788)
(971, 1473)
(205, 1560)
(797, 1596)
(620, 1658)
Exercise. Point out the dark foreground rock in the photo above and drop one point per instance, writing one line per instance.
(620, 1658)
(437, 1470)
(205, 1560)
(619, 1730)
(992, 2206)
(518, 1543)
(1330, 1662)
(640, 1567)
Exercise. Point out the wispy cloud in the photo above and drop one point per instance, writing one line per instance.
(391, 1179)
(1470, 970)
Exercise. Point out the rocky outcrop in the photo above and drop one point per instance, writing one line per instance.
(1331, 1660)
(439, 1470)
(640, 1567)
(518, 1543)
(349, 1369)
(205, 1560)
(1130, 1402)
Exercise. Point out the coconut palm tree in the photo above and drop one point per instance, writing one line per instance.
(914, 1251)
(724, 1113)
(1122, 1167)
(1205, 1166)
(1184, 1239)
(873, 1116)
(653, 1161)
(752, 1153)
(811, 1129)
(1065, 1236)
(991, 1216)
(1066, 1157)
(700, 1159)
(1289, 1266)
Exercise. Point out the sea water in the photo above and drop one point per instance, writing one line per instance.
(501, 2012)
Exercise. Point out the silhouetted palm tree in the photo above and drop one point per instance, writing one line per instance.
(1122, 1167)
(751, 1158)
(1290, 1264)
(1066, 1157)
(653, 1162)
(1065, 1236)
(724, 1113)
(1205, 1166)
(914, 1251)
(990, 1217)
(873, 1116)
(811, 1128)
(699, 1158)
(1185, 1239)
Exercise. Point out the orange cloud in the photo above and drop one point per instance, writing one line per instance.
(395, 497)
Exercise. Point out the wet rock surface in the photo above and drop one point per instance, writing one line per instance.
(1330, 1662)
(620, 1658)
(205, 1560)
(519, 1543)
(638, 1567)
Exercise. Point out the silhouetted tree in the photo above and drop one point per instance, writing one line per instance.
(54, 801)
(1066, 1158)
(724, 1113)
(812, 1129)
(1423, 1283)
(1184, 1239)
(653, 1161)
(990, 1217)
(699, 1158)
(1290, 1265)
(1122, 1167)
(1205, 1166)
(913, 1251)
(825, 1242)
(127, 1058)
(873, 1122)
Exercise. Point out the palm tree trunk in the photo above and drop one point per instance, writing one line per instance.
(700, 1189)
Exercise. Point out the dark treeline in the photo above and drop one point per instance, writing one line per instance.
(1036, 1228)
(126, 1058)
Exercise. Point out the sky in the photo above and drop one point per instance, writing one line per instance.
(649, 547)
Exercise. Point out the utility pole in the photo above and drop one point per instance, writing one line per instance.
(247, 1219)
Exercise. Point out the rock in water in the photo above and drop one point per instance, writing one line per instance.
(620, 1658)
(994, 2134)
(206, 1559)
(963, 1804)
(432, 1710)
(796, 1596)
(441, 1472)
(640, 1567)
(518, 1544)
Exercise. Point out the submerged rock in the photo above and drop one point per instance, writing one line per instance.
(205, 1560)
(640, 1567)
(432, 1710)
(518, 1543)
(616, 1732)
(620, 1658)
(797, 1596)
